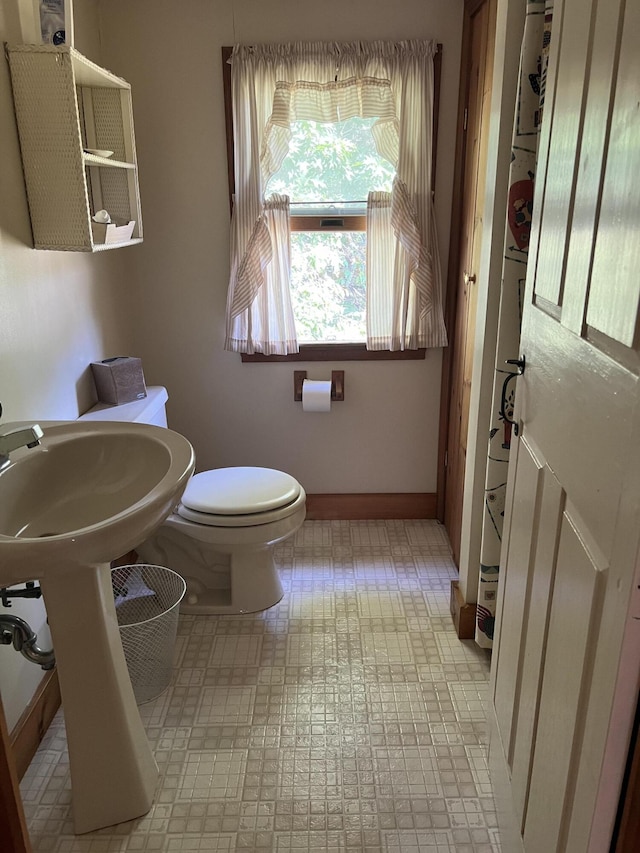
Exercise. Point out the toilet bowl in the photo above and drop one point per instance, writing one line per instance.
(221, 536)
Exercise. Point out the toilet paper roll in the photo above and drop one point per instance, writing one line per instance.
(316, 396)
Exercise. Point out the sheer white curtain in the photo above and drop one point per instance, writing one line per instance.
(264, 320)
(274, 85)
(259, 314)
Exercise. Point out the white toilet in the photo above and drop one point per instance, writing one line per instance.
(222, 534)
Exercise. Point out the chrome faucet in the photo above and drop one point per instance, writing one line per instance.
(21, 437)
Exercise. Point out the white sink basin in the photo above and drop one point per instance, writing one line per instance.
(89, 493)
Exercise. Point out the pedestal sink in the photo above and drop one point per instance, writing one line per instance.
(88, 493)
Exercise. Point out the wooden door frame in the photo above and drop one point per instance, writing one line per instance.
(627, 829)
(454, 264)
(12, 817)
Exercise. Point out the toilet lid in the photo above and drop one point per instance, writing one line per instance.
(240, 491)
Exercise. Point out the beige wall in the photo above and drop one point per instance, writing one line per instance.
(58, 312)
(384, 436)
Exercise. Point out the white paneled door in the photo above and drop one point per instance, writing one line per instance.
(565, 668)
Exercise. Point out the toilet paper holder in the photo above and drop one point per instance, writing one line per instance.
(337, 385)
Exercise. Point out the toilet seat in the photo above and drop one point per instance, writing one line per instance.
(240, 497)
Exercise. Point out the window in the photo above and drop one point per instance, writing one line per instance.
(327, 174)
(333, 239)
(328, 286)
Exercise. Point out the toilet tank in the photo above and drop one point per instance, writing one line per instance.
(150, 410)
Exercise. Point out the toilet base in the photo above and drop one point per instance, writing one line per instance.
(244, 595)
(221, 578)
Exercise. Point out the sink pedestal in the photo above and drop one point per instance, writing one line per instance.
(113, 771)
(89, 492)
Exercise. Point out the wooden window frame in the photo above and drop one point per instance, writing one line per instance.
(327, 351)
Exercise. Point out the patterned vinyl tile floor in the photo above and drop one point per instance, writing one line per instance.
(348, 717)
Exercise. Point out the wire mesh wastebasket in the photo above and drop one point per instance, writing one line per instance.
(147, 599)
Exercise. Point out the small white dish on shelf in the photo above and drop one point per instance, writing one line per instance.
(99, 152)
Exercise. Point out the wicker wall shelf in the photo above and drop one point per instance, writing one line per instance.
(65, 104)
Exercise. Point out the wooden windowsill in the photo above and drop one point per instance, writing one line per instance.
(338, 352)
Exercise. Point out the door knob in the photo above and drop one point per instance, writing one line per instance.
(469, 278)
